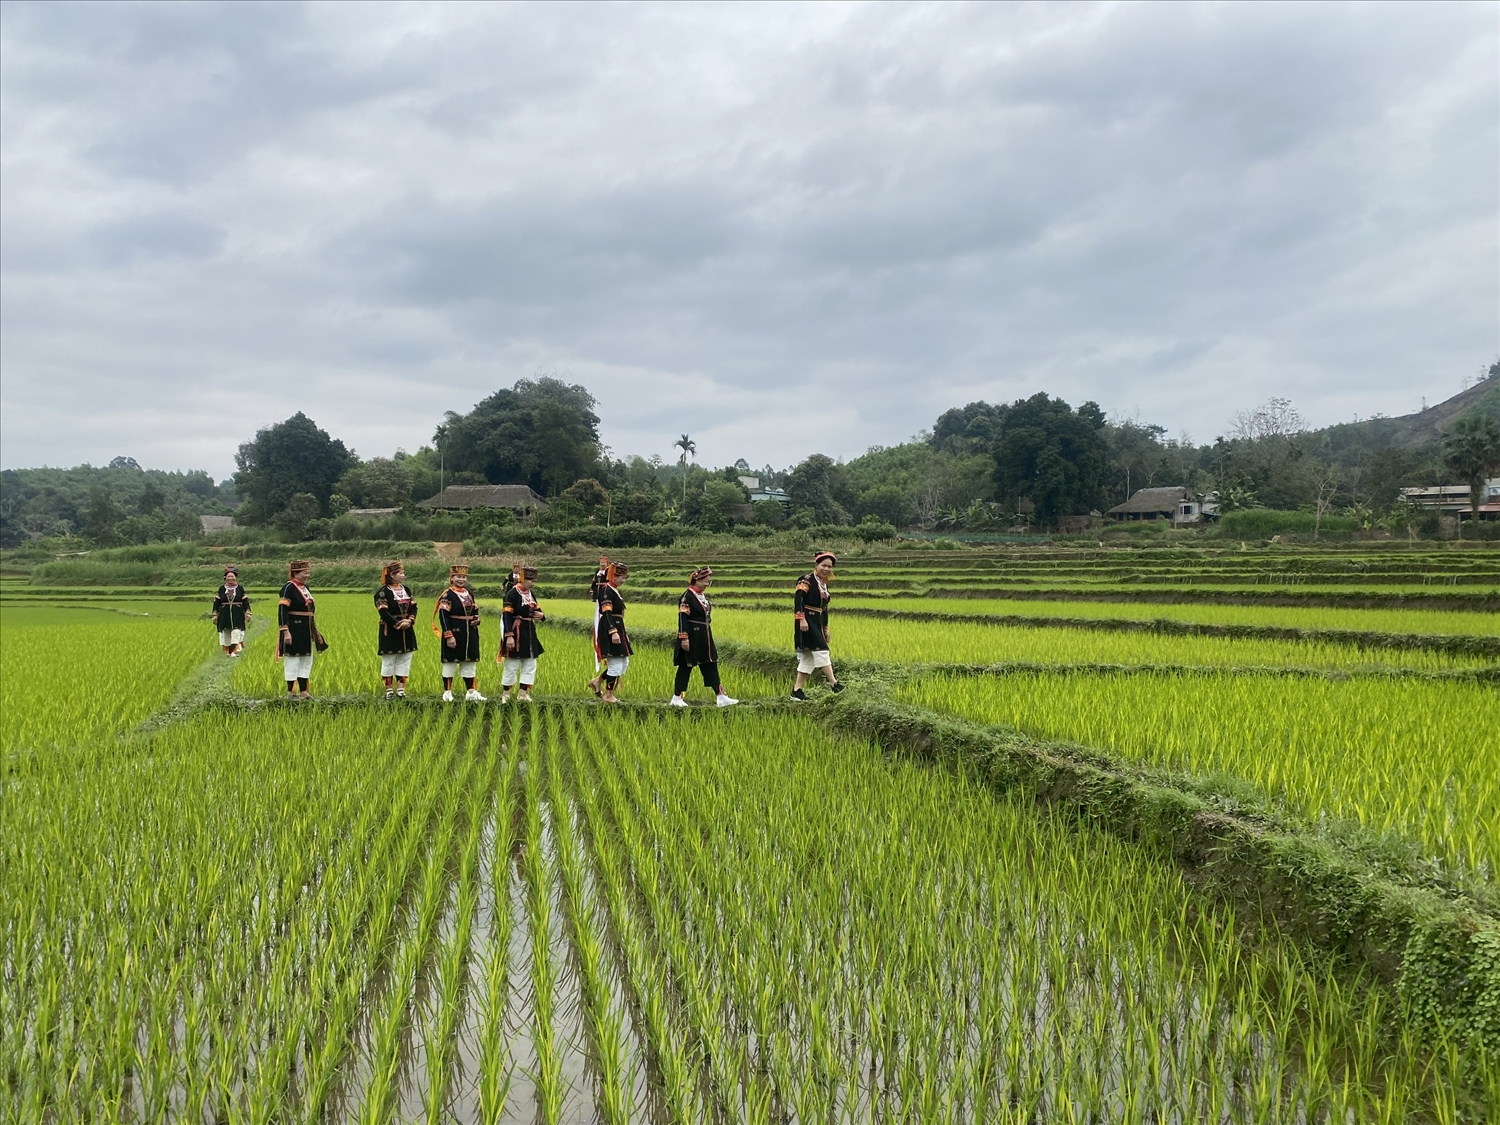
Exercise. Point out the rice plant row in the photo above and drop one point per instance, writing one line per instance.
(69, 678)
(1419, 758)
(977, 642)
(1405, 621)
(580, 915)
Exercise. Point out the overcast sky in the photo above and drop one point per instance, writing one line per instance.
(782, 229)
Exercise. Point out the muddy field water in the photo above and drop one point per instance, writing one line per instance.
(566, 914)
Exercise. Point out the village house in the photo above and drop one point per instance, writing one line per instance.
(1176, 504)
(759, 495)
(1454, 499)
(466, 497)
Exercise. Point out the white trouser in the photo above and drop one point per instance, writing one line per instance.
(810, 660)
(518, 671)
(616, 665)
(465, 668)
(229, 637)
(296, 667)
(396, 664)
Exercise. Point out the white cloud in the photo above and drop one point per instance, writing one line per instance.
(784, 229)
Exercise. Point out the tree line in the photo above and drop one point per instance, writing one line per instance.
(119, 504)
(981, 467)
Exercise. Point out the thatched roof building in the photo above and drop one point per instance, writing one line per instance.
(1176, 504)
(464, 497)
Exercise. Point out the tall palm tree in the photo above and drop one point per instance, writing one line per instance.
(688, 447)
(440, 438)
(1471, 450)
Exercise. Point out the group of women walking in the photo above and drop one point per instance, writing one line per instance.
(456, 620)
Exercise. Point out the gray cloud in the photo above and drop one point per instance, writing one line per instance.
(784, 229)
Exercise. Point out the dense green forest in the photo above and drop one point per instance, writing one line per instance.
(980, 468)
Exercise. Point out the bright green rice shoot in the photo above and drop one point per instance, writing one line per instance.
(69, 676)
(776, 923)
(1419, 758)
(965, 642)
(1411, 621)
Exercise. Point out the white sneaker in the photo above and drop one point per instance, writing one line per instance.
(725, 701)
(447, 697)
(504, 699)
(523, 697)
(677, 701)
(473, 696)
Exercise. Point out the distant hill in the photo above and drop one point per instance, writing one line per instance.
(1426, 427)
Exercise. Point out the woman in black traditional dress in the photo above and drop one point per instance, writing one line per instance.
(611, 641)
(458, 625)
(810, 612)
(299, 637)
(231, 613)
(519, 646)
(398, 633)
(695, 641)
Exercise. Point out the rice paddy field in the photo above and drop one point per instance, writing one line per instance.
(1418, 761)
(220, 906)
(1319, 619)
(970, 640)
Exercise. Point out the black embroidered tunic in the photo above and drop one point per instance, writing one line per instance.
(295, 614)
(517, 619)
(395, 605)
(810, 604)
(612, 616)
(695, 625)
(458, 617)
(231, 607)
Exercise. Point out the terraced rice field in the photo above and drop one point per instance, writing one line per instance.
(68, 676)
(1418, 761)
(973, 641)
(219, 906)
(1318, 619)
(1466, 575)
(585, 916)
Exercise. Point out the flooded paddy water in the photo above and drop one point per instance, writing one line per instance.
(562, 914)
